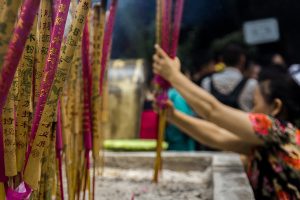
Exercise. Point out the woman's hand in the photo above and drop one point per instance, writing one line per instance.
(165, 66)
(169, 109)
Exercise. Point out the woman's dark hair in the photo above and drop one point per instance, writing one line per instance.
(232, 54)
(276, 82)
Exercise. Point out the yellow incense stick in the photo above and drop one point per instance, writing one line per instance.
(158, 20)
(50, 158)
(159, 148)
(98, 28)
(24, 108)
(2, 5)
(2, 192)
(162, 117)
(8, 122)
(8, 17)
(43, 41)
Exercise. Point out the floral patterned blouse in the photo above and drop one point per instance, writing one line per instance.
(274, 169)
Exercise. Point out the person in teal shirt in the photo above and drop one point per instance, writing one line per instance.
(177, 140)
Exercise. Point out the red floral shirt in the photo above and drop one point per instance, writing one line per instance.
(274, 169)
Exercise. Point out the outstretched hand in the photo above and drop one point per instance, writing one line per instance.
(165, 66)
(168, 106)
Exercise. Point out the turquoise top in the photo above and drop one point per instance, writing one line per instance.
(178, 140)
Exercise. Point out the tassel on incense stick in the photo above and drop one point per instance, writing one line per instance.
(50, 108)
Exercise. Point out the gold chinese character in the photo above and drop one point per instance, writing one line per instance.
(58, 21)
(62, 8)
(56, 40)
(20, 23)
(45, 77)
(52, 51)
(15, 38)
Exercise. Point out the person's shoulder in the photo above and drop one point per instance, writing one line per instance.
(251, 83)
(206, 81)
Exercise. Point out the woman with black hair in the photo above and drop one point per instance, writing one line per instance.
(269, 135)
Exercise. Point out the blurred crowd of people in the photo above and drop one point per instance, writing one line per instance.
(231, 77)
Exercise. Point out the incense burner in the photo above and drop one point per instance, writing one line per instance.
(192, 176)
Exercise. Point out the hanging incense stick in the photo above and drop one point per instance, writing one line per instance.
(86, 102)
(107, 41)
(158, 21)
(98, 25)
(59, 149)
(87, 89)
(176, 27)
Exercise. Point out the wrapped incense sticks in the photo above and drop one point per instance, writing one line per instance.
(51, 64)
(41, 138)
(16, 46)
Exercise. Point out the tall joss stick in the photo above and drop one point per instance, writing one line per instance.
(98, 26)
(59, 149)
(87, 123)
(170, 46)
(107, 41)
(43, 41)
(163, 19)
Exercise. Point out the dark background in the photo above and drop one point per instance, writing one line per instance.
(207, 24)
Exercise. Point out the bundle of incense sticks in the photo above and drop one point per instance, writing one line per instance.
(45, 118)
(167, 35)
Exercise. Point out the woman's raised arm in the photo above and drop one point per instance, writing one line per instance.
(203, 103)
